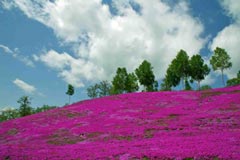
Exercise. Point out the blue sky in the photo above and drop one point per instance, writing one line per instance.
(44, 45)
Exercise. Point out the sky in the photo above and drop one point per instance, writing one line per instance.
(47, 44)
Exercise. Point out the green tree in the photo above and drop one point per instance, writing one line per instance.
(171, 79)
(104, 88)
(145, 76)
(9, 113)
(181, 66)
(198, 70)
(131, 84)
(99, 89)
(92, 91)
(25, 108)
(220, 61)
(165, 85)
(44, 108)
(234, 81)
(178, 70)
(70, 92)
(205, 87)
(119, 81)
(124, 82)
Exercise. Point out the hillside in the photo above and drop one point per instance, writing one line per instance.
(159, 125)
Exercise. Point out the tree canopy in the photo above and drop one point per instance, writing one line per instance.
(70, 92)
(124, 82)
(25, 108)
(146, 77)
(198, 70)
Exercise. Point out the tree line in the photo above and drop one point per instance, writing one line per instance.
(25, 109)
(182, 70)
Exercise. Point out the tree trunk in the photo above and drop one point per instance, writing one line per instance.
(223, 78)
(69, 99)
(183, 86)
(199, 85)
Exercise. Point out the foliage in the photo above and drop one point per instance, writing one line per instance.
(99, 90)
(234, 81)
(92, 91)
(124, 82)
(132, 83)
(25, 108)
(187, 86)
(178, 70)
(43, 108)
(165, 86)
(146, 77)
(220, 61)
(8, 114)
(205, 87)
(198, 70)
(70, 92)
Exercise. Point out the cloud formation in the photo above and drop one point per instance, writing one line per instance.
(104, 41)
(24, 86)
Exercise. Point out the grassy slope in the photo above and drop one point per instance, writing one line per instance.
(160, 125)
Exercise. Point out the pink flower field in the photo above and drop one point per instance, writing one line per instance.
(179, 125)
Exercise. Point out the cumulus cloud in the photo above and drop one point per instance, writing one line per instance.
(228, 38)
(15, 54)
(72, 70)
(104, 41)
(24, 86)
(233, 8)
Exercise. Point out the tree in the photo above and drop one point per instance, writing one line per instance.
(181, 66)
(220, 61)
(104, 88)
(145, 76)
(25, 108)
(99, 90)
(131, 84)
(124, 82)
(44, 108)
(205, 87)
(70, 92)
(165, 86)
(171, 78)
(92, 91)
(8, 113)
(178, 70)
(234, 81)
(198, 70)
(119, 81)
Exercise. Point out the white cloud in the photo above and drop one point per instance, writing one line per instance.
(72, 70)
(105, 42)
(6, 49)
(15, 54)
(233, 8)
(228, 38)
(24, 86)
